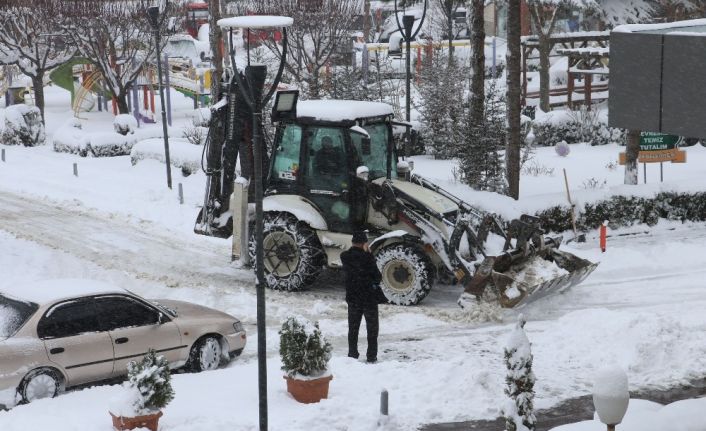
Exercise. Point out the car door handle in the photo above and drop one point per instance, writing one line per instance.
(121, 340)
(56, 350)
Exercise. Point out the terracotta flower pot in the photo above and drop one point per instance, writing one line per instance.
(151, 422)
(308, 391)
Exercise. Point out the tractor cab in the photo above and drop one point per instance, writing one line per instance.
(327, 152)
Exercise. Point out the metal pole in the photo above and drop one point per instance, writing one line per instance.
(136, 105)
(644, 172)
(259, 259)
(181, 194)
(2, 153)
(75, 169)
(384, 406)
(661, 172)
(166, 84)
(407, 100)
(164, 113)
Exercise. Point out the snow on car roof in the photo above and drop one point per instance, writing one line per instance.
(256, 21)
(341, 110)
(46, 291)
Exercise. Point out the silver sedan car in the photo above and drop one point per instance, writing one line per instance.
(62, 333)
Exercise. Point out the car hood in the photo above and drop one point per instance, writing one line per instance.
(190, 311)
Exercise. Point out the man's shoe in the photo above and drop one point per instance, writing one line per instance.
(354, 356)
(372, 361)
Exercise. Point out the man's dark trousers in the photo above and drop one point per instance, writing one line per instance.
(372, 325)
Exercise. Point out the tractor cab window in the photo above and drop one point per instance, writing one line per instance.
(373, 153)
(327, 173)
(286, 155)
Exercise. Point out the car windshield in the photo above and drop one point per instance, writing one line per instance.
(13, 314)
(373, 154)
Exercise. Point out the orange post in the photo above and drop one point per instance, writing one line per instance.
(144, 97)
(603, 235)
(419, 64)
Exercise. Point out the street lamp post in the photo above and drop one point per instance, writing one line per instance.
(153, 15)
(250, 87)
(406, 30)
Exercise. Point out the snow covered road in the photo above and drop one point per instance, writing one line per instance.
(641, 308)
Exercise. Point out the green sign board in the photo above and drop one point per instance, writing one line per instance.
(652, 141)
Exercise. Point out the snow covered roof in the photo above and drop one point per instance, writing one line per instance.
(47, 291)
(256, 21)
(689, 26)
(341, 110)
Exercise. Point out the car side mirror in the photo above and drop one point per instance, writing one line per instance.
(162, 318)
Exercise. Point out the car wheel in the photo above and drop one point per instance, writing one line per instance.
(407, 274)
(40, 383)
(207, 354)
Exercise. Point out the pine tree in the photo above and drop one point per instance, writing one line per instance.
(480, 156)
(152, 379)
(442, 105)
(519, 410)
(303, 348)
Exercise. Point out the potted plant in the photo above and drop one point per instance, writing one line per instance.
(147, 391)
(305, 354)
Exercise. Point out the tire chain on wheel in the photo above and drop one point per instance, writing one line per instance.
(423, 273)
(311, 254)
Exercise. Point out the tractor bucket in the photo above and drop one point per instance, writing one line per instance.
(518, 279)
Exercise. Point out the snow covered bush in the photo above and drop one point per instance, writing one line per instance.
(70, 138)
(304, 350)
(519, 382)
(124, 124)
(575, 126)
(23, 126)
(623, 211)
(182, 154)
(148, 388)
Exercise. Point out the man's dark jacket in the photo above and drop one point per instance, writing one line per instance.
(362, 277)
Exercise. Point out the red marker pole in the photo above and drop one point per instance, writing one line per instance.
(604, 228)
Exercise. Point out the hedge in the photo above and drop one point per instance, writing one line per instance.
(622, 211)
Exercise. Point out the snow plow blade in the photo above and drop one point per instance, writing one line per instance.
(517, 278)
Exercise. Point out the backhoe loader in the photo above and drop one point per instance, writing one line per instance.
(333, 169)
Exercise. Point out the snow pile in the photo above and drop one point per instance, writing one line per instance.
(643, 415)
(23, 126)
(124, 124)
(182, 154)
(536, 271)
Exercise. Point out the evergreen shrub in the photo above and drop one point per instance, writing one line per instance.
(152, 380)
(303, 348)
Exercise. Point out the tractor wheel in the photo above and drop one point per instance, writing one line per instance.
(293, 256)
(407, 274)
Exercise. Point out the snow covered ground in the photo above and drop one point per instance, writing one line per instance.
(642, 308)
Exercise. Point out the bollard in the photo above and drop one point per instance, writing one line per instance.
(75, 169)
(2, 154)
(604, 226)
(384, 403)
(181, 194)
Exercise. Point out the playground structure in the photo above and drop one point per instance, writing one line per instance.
(89, 92)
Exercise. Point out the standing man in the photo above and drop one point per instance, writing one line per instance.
(362, 279)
